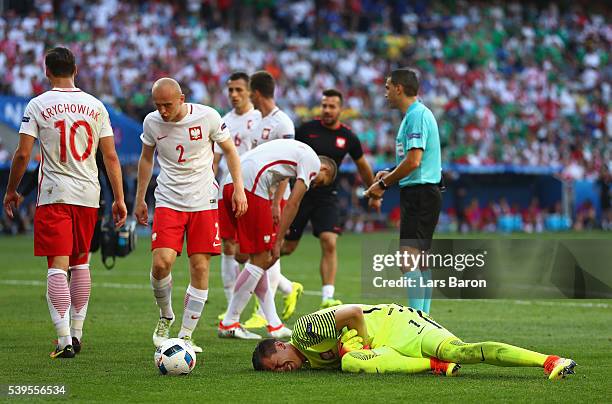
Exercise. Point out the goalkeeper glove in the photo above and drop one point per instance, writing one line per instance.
(350, 341)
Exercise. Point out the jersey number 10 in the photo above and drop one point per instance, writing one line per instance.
(61, 125)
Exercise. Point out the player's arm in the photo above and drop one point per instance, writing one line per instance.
(276, 201)
(21, 158)
(408, 165)
(145, 170)
(113, 172)
(216, 160)
(239, 202)
(291, 209)
(365, 171)
(352, 318)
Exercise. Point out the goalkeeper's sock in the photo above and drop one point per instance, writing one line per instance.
(492, 353)
(245, 285)
(414, 289)
(266, 301)
(58, 300)
(383, 360)
(195, 299)
(80, 290)
(427, 291)
(162, 289)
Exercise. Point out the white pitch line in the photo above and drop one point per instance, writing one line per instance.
(112, 285)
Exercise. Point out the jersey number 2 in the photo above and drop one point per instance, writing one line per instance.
(61, 125)
(181, 151)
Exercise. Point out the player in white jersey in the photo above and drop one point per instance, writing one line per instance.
(264, 168)
(185, 198)
(241, 120)
(70, 126)
(275, 124)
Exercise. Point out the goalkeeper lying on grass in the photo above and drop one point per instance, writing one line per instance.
(389, 338)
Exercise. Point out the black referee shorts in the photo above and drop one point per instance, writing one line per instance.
(323, 213)
(420, 208)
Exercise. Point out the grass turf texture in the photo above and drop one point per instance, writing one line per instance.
(117, 359)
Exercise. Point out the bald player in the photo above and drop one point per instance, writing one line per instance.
(185, 198)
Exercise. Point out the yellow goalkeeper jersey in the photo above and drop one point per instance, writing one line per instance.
(399, 327)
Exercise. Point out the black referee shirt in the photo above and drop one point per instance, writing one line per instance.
(333, 143)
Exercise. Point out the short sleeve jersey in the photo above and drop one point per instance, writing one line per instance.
(333, 143)
(185, 155)
(241, 127)
(69, 124)
(265, 166)
(275, 125)
(419, 129)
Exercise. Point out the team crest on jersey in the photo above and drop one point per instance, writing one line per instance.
(327, 355)
(249, 124)
(267, 238)
(195, 133)
(266, 133)
(340, 142)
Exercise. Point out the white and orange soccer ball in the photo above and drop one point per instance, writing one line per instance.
(175, 357)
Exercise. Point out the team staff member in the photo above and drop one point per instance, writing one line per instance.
(328, 137)
(418, 172)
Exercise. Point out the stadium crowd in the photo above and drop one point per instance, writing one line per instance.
(509, 83)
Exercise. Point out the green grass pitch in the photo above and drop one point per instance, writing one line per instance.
(116, 364)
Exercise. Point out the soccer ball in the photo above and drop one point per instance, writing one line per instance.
(175, 357)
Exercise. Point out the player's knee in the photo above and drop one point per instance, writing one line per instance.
(288, 247)
(161, 265)
(241, 258)
(229, 247)
(458, 351)
(328, 242)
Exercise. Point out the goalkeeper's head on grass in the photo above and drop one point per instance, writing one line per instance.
(389, 338)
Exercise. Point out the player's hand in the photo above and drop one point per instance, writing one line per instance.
(119, 213)
(276, 214)
(375, 191)
(239, 202)
(12, 199)
(142, 213)
(350, 341)
(375, 204)
(380, 175)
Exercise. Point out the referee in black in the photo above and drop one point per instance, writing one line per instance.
(418, 173)
(328, 137)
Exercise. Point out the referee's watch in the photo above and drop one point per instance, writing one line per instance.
(382, 184)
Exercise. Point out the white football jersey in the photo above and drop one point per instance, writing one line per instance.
(265, 166)
(275, 125)
(241, 127)
(185, 155)
(68, 123)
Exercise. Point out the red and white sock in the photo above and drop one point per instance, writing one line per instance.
(229, 272)
(195, 299)
(162, 289)
(245, 285)
(58, 299)
(80, 289)
(263, 291)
